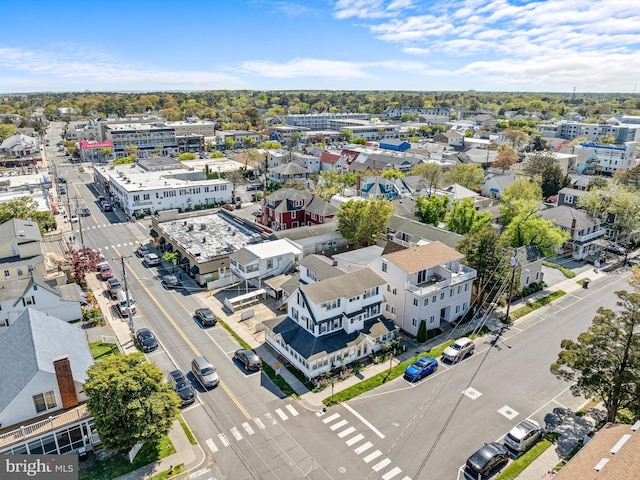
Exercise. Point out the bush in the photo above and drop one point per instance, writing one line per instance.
(422, 332)
(434, 332)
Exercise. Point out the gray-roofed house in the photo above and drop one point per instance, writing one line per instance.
(45, 362)
(529, 260)
(33, 291)
(378, 188)
(289, 172)
(313, 238)
(570, 196)
(407, 232)
(20, 249)
(331, 323)
(586, 232)
(496, 181)
(425, 283)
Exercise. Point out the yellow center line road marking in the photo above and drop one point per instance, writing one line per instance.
(184, 337)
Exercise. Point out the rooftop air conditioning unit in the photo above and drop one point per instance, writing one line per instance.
(203, 226)
(190, 227)
(204, 239)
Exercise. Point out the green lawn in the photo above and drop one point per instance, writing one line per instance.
(176, 470)
(565, 271)
(541, 302)
(101, 350)
(516, 467)
(117, 465)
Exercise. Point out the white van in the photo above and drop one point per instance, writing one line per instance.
(122, 303)
(151, 259)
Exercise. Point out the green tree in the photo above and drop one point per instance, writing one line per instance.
(421, 337)
(469, 175)
(131, 150)
(463, 218)
(229, 143)
(607, 139)
(604, 362)
(486, 252)
(23, 208)
(361, 222)
(527, 228)
(536, 144)
(432, 174)
(105, 152)
(7, 130)
(514, 195)
(432, 209)
(130, 401)
(171, 258)
(346, 134)
(515, 136)
(125, 160)
(391, 174)
(187, 156)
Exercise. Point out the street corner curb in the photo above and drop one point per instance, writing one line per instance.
(311, 406)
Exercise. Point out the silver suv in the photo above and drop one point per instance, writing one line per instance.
(523, 436)
(459, 349)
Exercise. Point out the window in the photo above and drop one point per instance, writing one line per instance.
(145, 196)
(432, 319)
(136, 198)
(28, 301)
(442, 296)
(415, 302)
(395, 291)
(433, 299)
(458, 288)
(451, 292)
(457, 308)
(384, 266)
(7, 273)
(537, 276)
(466, 287)
(426, 302)
(270, 263)
(45, 401)
(293, 215)
(19, 270)
(422, 276)
(414, 322)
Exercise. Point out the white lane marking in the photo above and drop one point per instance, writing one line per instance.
(355, 439)
(259, 423)
(363, 447)
(292, 410)
(236, 433)
(199, 473)
(380, 465)
(341, 423)
(271, 419)
(372, 456)
(118, 245)
(391, 473)
(248, 428)
(223, 439)
(281, 414)
(406, 478)
(331, 418)
(346, 432)
(211, 445)
(364, 420)
(106, 248)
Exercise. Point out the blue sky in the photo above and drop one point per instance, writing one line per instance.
(496, 45)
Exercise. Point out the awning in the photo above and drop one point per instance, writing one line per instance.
(154, 234)
(195, 270)
(162, 239)
(184, 261)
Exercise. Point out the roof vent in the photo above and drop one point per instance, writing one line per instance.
(635, 426)
(620, 443)
(204, 239)
(190, 227)
(21, 233)
(601, 464)
(203, 226)
(29, 221)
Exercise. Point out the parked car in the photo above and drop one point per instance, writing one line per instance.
(146, 340)
(126, 305)
(459, 349)
(249, 359)
(523, 436)
(206, 317)
(254, 186)
(62, 190)
(151, 259)
(74, 218)
(204, 372)
(615, 248)
(171, 281)
(101, 199)
(113, 287)
(419, 369)
(143, 250)
(106, 207)
(105, 270)
(84, 212)
(182, 387)
(487, 459)
(62, 180)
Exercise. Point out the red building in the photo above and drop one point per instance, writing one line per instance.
(288, 208)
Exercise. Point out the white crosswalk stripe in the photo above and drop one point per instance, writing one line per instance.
(391, 473)
(362, 448)
(223, 439)
(354, 440)
(372, 456)
(281, 414)
(346, 432)
(259, 423)
(331, 418)
(247, 428)
(118, 245)
(212, 446)
(292, 410)
(236, 433)
(271, 419)
(336, 426)
(106, 248)
(381, 464)
(406, 478)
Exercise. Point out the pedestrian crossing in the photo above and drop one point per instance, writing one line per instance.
(247, 429)
(361, 446)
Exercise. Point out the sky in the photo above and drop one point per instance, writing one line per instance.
(424, 45)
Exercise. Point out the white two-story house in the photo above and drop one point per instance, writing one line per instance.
(20, 249)
(425, 282)
(332, 322)
(254, 263)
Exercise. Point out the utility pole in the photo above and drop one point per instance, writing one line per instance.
(513, 262)
(126, 291)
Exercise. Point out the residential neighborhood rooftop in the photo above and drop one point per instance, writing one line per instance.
(423, 256)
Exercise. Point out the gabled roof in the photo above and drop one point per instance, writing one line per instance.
(421, 257)
(21, 230)
(329, 158)
(459, 192)
(320, 207)
(15, 289)
(528, 254)
(322, 266)
(308, 231)
(344, 286)
(564, 216)
(418, 230)
(31, 343)
(290, 168)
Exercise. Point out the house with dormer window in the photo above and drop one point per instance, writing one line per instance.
(289, 208)
(425, 282)
(331, 322)
(378, 188)
(20, 249)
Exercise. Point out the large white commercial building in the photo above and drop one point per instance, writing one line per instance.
(321, 121)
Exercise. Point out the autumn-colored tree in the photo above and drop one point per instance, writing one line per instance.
(505, 158)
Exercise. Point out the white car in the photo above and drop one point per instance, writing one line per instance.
(151, 259)
(459, 349)
(74, 218)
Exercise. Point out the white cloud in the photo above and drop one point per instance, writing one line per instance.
(304, 67)
(370, 9)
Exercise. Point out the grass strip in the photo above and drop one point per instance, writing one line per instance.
(101, 350)
(516, 467)
(541, 302)
(172, 472)
(565, 271)
(118, 464)
(187, 431)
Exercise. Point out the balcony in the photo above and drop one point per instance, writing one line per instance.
(590, 236)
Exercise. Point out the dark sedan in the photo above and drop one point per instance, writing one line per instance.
(249, 359)
(182, 387)
(491, 457)
(206, 317)
(146, 340)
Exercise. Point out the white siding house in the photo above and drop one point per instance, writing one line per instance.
(254, 263)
